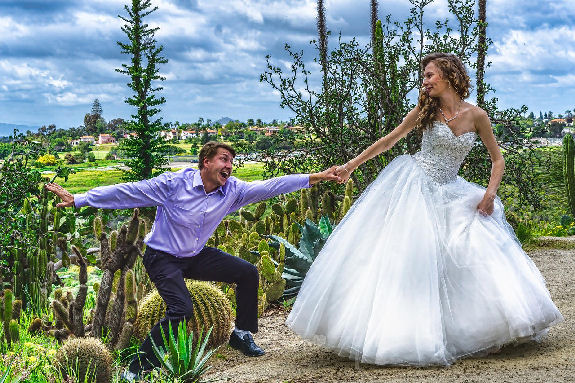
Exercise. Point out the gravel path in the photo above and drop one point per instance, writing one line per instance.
(291, 359)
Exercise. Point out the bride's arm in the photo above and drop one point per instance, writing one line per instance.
(379, 146)
(485, 131)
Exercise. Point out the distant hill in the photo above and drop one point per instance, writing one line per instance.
(224, 120)
(8, 129)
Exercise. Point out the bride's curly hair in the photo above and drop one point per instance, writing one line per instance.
(453, 70)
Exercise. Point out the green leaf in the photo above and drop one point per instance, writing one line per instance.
(310, 236)
(325, 227)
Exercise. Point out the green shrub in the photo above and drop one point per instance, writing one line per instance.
(47, 160)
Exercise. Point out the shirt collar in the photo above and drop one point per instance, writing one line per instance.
(197, 181)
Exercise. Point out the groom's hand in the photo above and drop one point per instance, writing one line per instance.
(326, 175)
(66, 197)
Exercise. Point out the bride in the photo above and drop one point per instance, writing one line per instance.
(424, 269)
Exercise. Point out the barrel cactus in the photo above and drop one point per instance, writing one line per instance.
(87, 359)
(211, 308)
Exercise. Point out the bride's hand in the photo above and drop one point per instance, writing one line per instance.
(486, 205)
(343, 173)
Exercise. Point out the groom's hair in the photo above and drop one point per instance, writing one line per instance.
(210, 149)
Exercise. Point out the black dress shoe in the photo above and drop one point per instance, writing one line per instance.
(129, 377)
(245, 344)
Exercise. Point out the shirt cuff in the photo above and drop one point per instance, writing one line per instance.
(80, 200)
(307, 185)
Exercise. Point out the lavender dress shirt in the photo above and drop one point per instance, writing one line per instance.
(186, 216)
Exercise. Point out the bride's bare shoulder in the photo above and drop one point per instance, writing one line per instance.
(476, 112)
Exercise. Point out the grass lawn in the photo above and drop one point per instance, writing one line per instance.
(84, 165)
(84, 180)
(87, 179)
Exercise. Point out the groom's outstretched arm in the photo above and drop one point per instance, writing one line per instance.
(251, 192)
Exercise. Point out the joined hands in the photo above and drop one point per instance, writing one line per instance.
(343, 173)
(326, 175)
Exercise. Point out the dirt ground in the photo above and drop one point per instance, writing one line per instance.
(291, 359)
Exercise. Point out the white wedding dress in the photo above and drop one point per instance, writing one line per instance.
(414, 275)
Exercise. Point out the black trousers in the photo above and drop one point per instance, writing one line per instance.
(168, 273)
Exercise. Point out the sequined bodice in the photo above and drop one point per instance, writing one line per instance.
(442, 152)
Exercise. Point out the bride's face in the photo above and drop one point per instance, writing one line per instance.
(433, 82)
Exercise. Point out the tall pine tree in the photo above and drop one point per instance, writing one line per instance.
(146, 151)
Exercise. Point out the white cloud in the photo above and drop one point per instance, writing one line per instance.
(567, 80)
(541, 49)
(68, 98)
(87, 22)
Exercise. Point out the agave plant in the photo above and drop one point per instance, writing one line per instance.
(298, 261)
(180, 359)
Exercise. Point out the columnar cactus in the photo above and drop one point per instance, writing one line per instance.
(569, 170)
(347, 199)
(272, 284)
(121, 257)
(71, 312)
(32, 268)
(115, 312)
(10, 310)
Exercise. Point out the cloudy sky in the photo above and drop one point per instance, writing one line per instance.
(57, 56)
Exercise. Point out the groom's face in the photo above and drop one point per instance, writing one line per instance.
(218, 168)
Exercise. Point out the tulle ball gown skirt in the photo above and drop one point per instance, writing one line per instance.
(413, 275)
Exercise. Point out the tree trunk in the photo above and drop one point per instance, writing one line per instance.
(322, 32)
(373, 20)
(481, 53)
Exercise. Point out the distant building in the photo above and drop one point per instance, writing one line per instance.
(560, 121)
(130, 135)
(188, 134)
(271, 130)
(88, 139)
(169, 134)
(106, 139)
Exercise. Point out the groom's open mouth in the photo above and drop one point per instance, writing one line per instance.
(225, 174)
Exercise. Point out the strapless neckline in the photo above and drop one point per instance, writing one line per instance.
(447, 126)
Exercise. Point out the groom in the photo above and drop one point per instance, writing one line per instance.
(190, 205)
